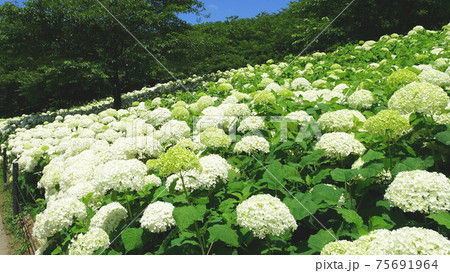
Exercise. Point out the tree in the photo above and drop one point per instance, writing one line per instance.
(81, 38)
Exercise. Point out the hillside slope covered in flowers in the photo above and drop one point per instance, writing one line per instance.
(339, 153)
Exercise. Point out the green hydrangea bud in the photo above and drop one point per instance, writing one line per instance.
(177, 159)
(388, 123)
(403, 76)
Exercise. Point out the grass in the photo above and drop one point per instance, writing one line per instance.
(18, 243)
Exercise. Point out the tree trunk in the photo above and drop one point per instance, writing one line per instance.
(117, 92)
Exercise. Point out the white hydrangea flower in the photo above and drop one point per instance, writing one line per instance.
(159, 116)
(252, 144)
(340, 120)
(236, 110)
(340, 145)
(419, 97)
(435, 77)
(109, 135)
(59, 214)
(212, 117)
(173, 131)
(300, 84)
(265, 215)
(251, 124)
(403, 241)
(361, 99)
(138, 127)
(109, 217)
(158, 217)
(341, 88)
(274, 87)
(300, 116)
(88, 243)
(423, 191)
(136, 147)
(214, 169)
(121, 175)
(78, 169)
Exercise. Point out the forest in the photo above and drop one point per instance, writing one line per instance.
(62, 53)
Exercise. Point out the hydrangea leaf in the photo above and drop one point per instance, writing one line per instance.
(343, 175)
(223, 233)
(411, 164)
(327, 194)
(302, 206)
(320, 239)
(442, 218)
(351, 216)
(186, 216)
(444, 137)
(378, 222)
(372, 155)
(132, 238)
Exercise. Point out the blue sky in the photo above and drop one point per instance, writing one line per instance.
(221, 9)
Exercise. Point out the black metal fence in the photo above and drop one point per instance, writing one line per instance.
(21, 207)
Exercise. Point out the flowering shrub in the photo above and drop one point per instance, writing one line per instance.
(265, 215)
(247, 162)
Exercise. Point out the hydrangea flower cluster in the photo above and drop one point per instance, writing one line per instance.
(402, 76)
(435, 77)
(158, 217)
(388, 123)
(361, 99)
(403, 241)
(252, 144)
(88, 243)
(214, 169)
(251, 124)
(109, 217)
(340, 145)
(172, 131)
(176, 160)
(264, 97)
(265, 215)
(215, 138)
(123, 175)
(340, 120)
(420, 97)
(422, 191)
(59, 214)
(300, 116)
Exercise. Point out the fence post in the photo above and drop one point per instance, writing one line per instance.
(5, 168)
(15, 192)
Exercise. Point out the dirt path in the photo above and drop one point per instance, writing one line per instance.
(4, 247)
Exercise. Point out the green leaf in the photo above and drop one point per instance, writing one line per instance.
(411, 164)
(320, 176)
(275, 175)
(312, 159)
(186, 216)
(327, 194)
(343, 175)
(320, 239)
(377, 222)
(132, 238)
(372, 170)
(223, 233)
(444, 137)
(384, 203)
(442, 218)
(372, 155)
(351, 216)
(227, 205)
(302, 206)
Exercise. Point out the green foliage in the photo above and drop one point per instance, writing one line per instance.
(132, 238)
(223, 233)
